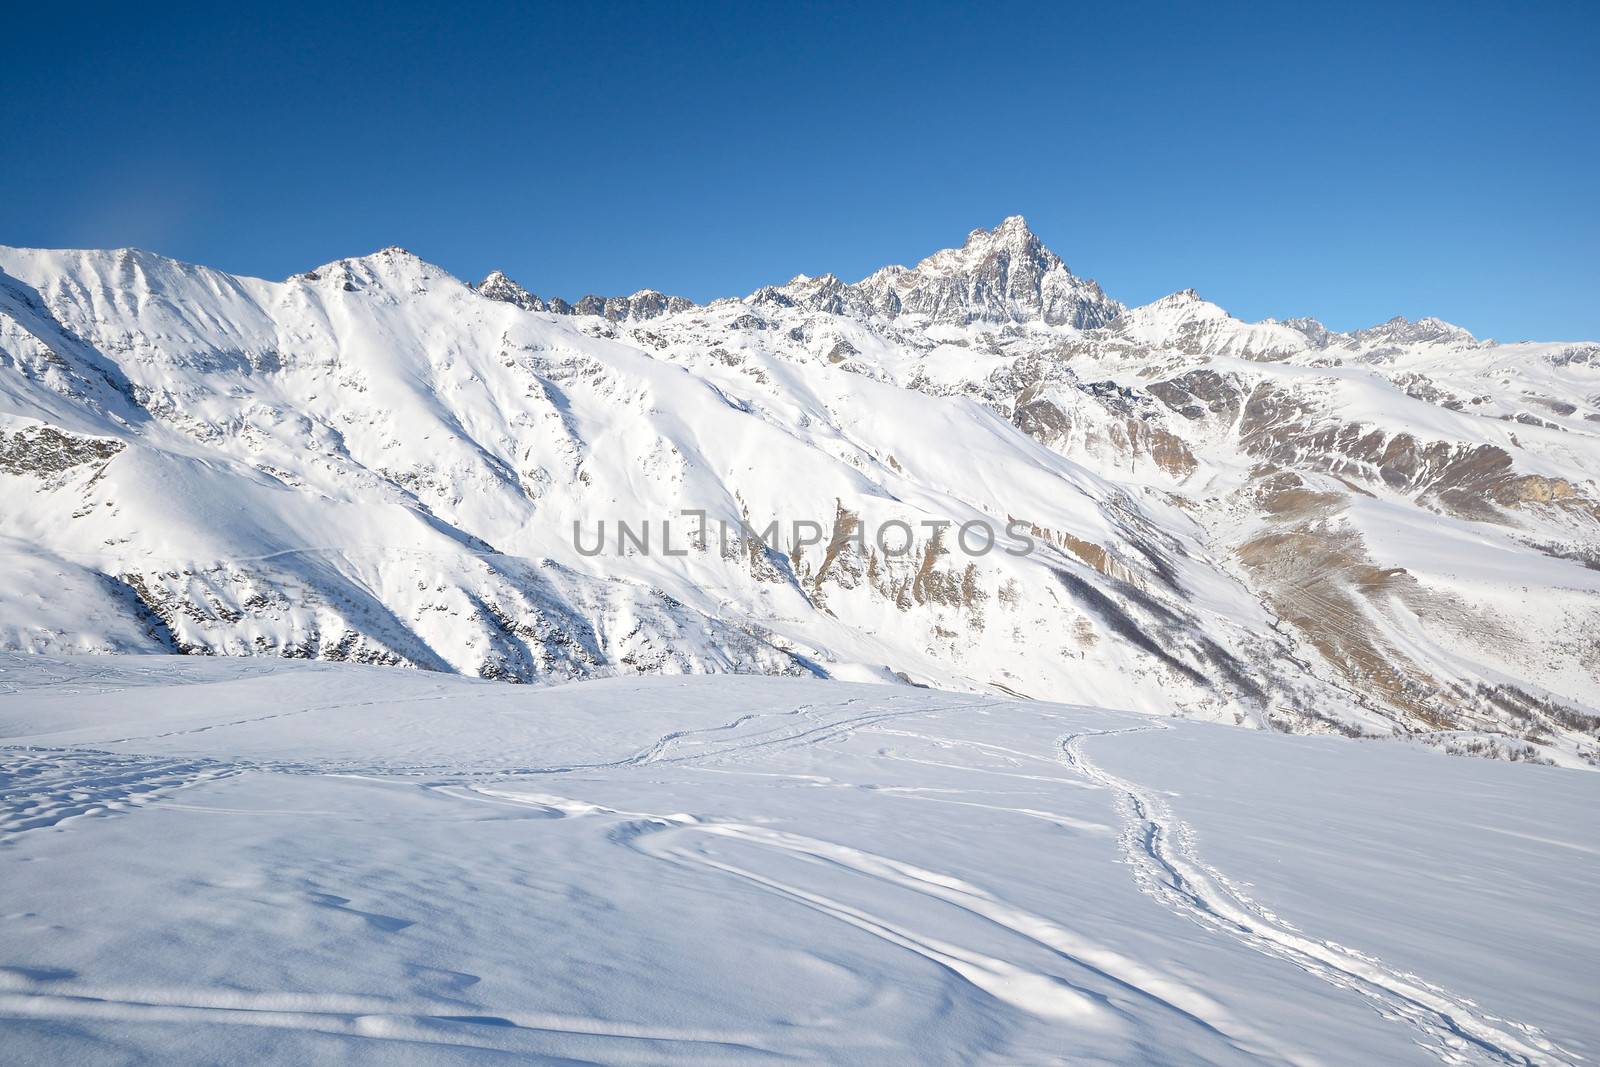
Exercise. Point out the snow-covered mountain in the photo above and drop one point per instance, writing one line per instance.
(1390, 531)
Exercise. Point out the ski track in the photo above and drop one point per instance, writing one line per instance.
(1158, 846)
(26, 994)
(1161, 850)
(43, 788)
(1049, 997)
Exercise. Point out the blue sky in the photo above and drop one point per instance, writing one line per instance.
(1350, 161)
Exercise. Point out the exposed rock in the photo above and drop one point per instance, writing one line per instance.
(44, 451)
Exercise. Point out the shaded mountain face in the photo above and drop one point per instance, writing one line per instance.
(1394, 531)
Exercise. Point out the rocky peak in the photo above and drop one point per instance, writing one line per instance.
(1315, 332)
(650, 303)
(822, 293)
(1003, 275)
(1012, 239)
(499, 287)
(1428, 330)
(1011, 236)
(645, 304)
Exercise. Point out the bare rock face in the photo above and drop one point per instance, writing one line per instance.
(45, 451)
(645, 304)
(1003, 275)
(1402, 331)
(498, 287)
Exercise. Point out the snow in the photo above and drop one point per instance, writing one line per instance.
(411, 435)
(212, 860)
(373, 461)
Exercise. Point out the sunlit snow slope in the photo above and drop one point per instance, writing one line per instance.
(1392, 531)
(249, 861)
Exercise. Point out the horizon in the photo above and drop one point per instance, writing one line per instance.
(1348, 166)
(574, 297)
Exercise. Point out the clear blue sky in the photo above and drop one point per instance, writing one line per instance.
(1347, 161)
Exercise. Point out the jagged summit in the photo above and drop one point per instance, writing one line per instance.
(1011, 237)
(644, 304)
(1003, 275)
(1010, 226)
(496, 286)
(1318, 335)
(1426, 330)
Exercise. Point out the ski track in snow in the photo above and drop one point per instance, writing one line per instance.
(1161, 849)
(44, 788)
(1158, 846)
(1045, 996)
(31, 995)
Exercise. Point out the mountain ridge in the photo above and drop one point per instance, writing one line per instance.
(1011, 237)
(1239, 521)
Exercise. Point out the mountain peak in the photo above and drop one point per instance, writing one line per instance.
(387, 267)
(1011, 238)
(397, 260)
(644, 304)
(1001, 275)
(1013, 232)
(496, 286)
(1186, 304)
(1401, 330)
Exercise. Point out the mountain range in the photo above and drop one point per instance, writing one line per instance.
(1390, 532)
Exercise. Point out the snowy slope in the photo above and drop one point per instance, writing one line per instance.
(361, 865)
(374, 461)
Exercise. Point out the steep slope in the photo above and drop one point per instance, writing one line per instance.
(1390, 494)
(374, 461)
(1004, 275)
